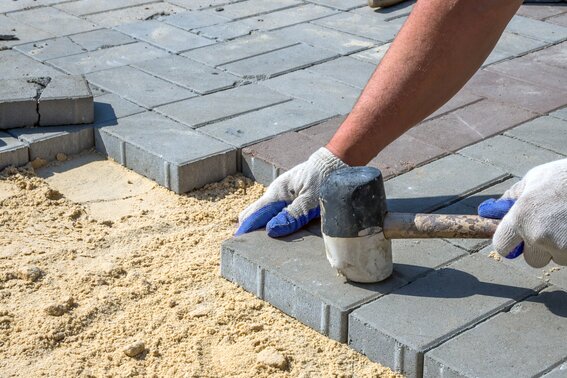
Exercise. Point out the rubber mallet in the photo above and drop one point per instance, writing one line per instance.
(357, 228)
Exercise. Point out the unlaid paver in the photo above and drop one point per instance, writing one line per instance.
(541, 30)
(493, 347)
(242, 48)
(319, 90)
(164, 36)
(45, 143)
(50, 49)
(188, 73)
(18, 103)
(110, 107)
(398, 329)
(362, 25)
(346, 70)
(250, 8)
(17, 65)
(296, 277)
(470, 124)
(439, 183)
(279, 62)
(512, 155)
(546, 132)
(66, 100)
(53, 21)
(12, 151)
(133, 14)
(325, 38)
(139, 87)
(199, 111)
(527, 69)
(288, 17)
(191, 20)
(86, 7)
(263, 124)
(107, 58)
(170, 153)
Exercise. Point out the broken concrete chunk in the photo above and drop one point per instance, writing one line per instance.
(67, 100)
(18, 104)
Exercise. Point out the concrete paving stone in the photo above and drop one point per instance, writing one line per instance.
(372, 55)
(546, 132)
(67, 100)
(366, 26)
(12, 151)
(249, 8)
(470, 124)
(133, 14)
(86, 7)
(561, 113)
(263, 124)
(47, 142)
(296, 277)
(439, 184)
(50, 48)
(191, 20)
(199, 111)
(265, 161)
(101, 39)
(17, 65)
(559, 372)
(396, 330)
(18, 103)
(226, 32)
(325, 38)
(324, 131)
(23, 32)
(553, 56)
(346, 70)
(463, 98)
(188, 73)
(541, 11)
(11, 6)
(319, 90)
(505, 89)
(544, 31)
(171, 154)
(560, 20)
(511, 155)
(527, 69)
(402, 9)
(344, 5)
(53, 21)
(496, 57)
(108, 58)
(511, 344)
(139, 87)
(164, 36)
(279, 62)
(288, 17)
(242, 48)
(110, 107)
(200, 4)
(512, 45)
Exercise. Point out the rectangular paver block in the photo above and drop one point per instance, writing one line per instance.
(528, 69)
(525, 341)
(86, 7)
(561, 113)
(227, 31)
(252, 7)
(100, 38)
(16, 65)
(288, 17)
(171, 154)
(110, 107)
(12, 151)
(200, 111)
(194, 20)
(365, 25)
(67, 100)
(53, 21)
(546, 132)
(398, 329)
(18, 103)
(536, 29)
(47, 142)
(346, 70)
(512, 45)
(50, 48)
(25, 33)
(133, 14)
(373, 55)
(340, 4)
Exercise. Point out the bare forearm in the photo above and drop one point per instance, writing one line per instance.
(439, 48)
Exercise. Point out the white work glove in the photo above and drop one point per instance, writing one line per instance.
(292, 200)
(534, 216)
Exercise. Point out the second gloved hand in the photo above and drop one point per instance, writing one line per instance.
(292, 200)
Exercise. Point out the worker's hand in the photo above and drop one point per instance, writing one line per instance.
(534, 216)
(292, 200)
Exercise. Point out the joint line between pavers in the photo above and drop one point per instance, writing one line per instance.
(114, 9)
(123, 153)
(239, 59)
(325, 317)
(167, 175)
(534, 144)
(266, 12)
(356, 35)
(260, 280)
(398, 356)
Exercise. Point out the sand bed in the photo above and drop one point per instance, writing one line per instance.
(103, 273)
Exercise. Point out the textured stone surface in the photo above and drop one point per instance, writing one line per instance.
(18, 103)
(66, 100)
(346, 70)
(228, 31)
(373, 55)
(253, 7)
(397, 329)
(199, 111)
(194, 20)
(133, 14)
(86, 7)
(16, 65)
(50, 48)
(366, 26)
(100, 38)
(171, 154)
(53, 21)
(23, 32)
(139, 87)
(290, 16)
(543, 31)
(12, 151)
(546, 132)
(491, 348)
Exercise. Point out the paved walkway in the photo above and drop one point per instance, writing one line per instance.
(189, 91)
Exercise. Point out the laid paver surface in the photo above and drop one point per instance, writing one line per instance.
(189, 91)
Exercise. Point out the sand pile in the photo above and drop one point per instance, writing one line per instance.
(129, 285)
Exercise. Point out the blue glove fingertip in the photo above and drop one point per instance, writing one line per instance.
(495, 209)
(284, 224)
(516, 251)
(260, 217)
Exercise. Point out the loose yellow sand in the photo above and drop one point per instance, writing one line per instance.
(98, 263)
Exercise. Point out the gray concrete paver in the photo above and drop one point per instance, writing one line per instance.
(362, 25)
(344, 5)
(560, 20)
(67, 100)
(530, 70)
(227, 31)
(346, 70)
(373, 55)
(12, 151)
(547, 132)
(560, 113)
(249, 8)
(541, 11)
(553, 56)
(512, 45)
(17, 65)
(288, 17)
(200, 4)
(50, 49)
(133, 14)
(18, 103)
(395, 11)
(53, 21)
(543, 31)
(11, 6)
(87, 7)
(191, 20)
(100, 38)
(110, 107)
(23, 32)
